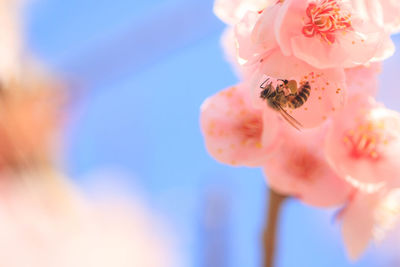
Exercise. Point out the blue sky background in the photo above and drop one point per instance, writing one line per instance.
(144, 68)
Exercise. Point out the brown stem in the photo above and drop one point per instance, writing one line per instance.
(271, 227)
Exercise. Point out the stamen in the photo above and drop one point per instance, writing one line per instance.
(364, 141)
(325, 19)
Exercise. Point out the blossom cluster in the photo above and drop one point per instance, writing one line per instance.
(305, 110)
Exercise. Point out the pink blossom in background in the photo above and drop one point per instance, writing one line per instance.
(46, 222)
(327, 94)
(233, 129)
(323, 33)
(297, 167)
(30, 119)
(369, 217)
(363, 144)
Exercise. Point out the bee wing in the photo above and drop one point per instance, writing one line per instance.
(292, 121)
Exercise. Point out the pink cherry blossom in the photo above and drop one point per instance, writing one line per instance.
(46, 222)
(297, 167)
(234, 131)
(369, 217)
(30, 116)
(363, 144)
(232, 11)
(323, 33)
(385, 13)
(327, 87)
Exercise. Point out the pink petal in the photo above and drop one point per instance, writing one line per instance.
(363, 80)
(232, 11)
(234, 131)
(358, 223)
(297, 167)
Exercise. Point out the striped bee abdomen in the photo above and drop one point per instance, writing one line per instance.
(301, 97)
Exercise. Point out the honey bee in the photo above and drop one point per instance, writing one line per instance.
(286, 95)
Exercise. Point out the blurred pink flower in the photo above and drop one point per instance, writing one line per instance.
(327, 94)
(369, 217)
(234, 130)
(363, 144)
(30, 118)
(385, 13)
(323, 33)
(297, 167)
(46, 222)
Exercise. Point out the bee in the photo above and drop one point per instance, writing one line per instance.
(286, 94)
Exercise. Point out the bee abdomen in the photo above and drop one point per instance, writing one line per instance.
(306, 88)
(301, 97)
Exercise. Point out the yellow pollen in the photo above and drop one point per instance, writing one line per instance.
(385, 142)
(365, 139)
(220, 150)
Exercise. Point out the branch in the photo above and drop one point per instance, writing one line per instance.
(271, 227)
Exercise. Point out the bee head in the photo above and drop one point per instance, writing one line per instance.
(285, 82)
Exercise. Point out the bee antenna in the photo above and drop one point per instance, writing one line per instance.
(262, 85)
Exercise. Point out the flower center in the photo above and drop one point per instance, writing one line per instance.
(365, 139)
(325, 19)
(304, 165)
(251, 128)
